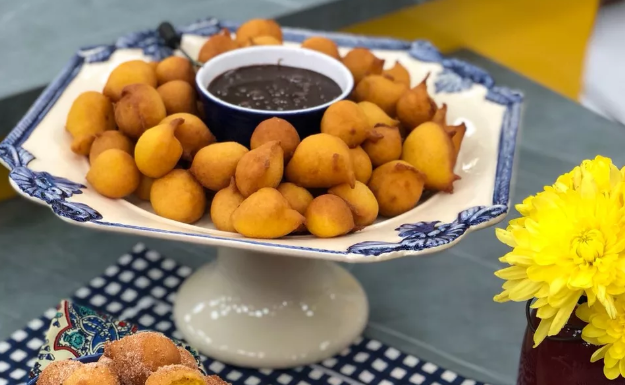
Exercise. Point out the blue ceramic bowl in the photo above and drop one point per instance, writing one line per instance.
(230, 122)
(83, 359)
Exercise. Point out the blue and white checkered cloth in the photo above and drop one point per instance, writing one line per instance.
(141, 288)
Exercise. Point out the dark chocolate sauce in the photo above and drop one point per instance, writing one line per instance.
(274, 88)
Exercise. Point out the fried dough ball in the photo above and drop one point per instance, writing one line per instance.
(130, 72)
(276, 129)
(178, 96)
(398, 73)
(361, 201)
(416, 107)
(82, 145)
(266, 214)
(362, 164)
(137, 356)
(215, 165)
(145, 187)
(193, 134)
(223, 205)
(57, 372)
(158, 150)
(381, 91)
(114, 174)
(346, 120)
(298, 197)
(216, 45)
(94, 373)
(397, 186)
(175, 68)
(175, 375)
(90, 114)
(262, 40)
(323, 45)
(256, 28)
(187, 359)
(178, 196)
(329, 216)
(386, 146)
(110, 139)
(214, 380)
(139, 108)
(361, 62)
(261, 167)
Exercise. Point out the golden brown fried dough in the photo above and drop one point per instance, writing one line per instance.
(376, 115)
(175, 68)
(397, 186)
(456, 132)
(158, 150)
(82, 144)
(110, 139)
(415, 106)
(94, 373)
(321, 161)
(187, 359)
(360, 200)
(145, 187)
(323, 45)
(261, 167)
(381, 91)
(192, 134)
(90, 114)
(262, 40)
(398, 73)
(276, 129)
(385, 146)
(214, 165)
(214, 380)
(127, 73)
(178, 196)
(216, 45)
(346, 120)
(178, 96)
(361, 62)
(137, 356)
(175, 375)
(57, 372)
(329, 216)
(362, 164)
(298, 197)
(114, 174)
(430, 150)
(256, 28)
(266, 214)
(223, 205)
(139, 108)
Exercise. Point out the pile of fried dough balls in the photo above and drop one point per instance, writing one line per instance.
(145, 358)
(374, 155)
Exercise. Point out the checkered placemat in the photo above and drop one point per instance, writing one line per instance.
(141, 288)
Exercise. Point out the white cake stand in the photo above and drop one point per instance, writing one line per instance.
(283, 302)
(260, 310)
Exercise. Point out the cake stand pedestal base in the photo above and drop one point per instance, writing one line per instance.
(264, 311)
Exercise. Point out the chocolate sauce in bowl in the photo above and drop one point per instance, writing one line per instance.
(274, 88)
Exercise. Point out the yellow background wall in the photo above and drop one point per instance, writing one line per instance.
(544, 40)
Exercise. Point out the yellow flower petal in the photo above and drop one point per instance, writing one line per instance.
(610, 361)
(546, 312)
(524, 290)
(599, 353)
(505, 237)
(539, 303)
(622, 367)
(512, 273)
(541, 331)
(502, 297)
(592, 331)
(583, 312)
(611, 373)
(564, 313)
(583, 278)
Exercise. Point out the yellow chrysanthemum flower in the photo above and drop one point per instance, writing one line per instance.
(603, 330)
(569, 242)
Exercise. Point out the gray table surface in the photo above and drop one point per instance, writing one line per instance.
(437, 307)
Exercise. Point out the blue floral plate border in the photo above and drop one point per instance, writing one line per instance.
(414, 238)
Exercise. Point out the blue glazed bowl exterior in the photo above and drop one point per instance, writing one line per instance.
(230, 122)
(83, 359)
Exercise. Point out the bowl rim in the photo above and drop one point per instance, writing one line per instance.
(250, 51)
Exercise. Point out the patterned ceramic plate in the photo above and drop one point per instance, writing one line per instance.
(44, 169)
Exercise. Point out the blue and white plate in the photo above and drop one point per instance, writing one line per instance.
(43, 168)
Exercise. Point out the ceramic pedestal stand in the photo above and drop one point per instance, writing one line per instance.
(264, 311)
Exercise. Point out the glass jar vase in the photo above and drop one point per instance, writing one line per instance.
(560, 360)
